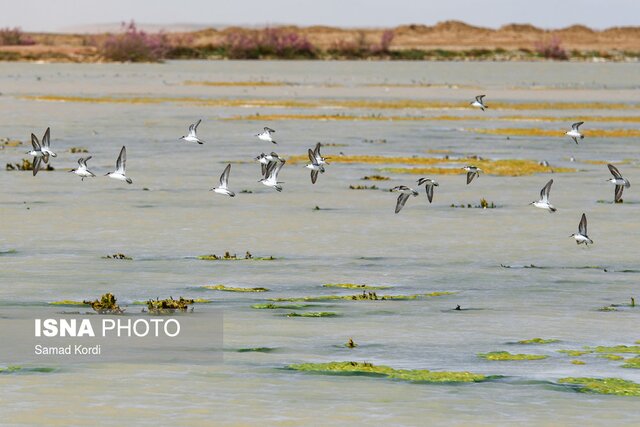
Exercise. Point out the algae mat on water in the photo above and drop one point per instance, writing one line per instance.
(615, 386)
(415, 375)
(505, 355)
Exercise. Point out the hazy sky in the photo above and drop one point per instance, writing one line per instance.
(52, 15)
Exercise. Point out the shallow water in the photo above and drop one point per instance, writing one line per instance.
(54, 230)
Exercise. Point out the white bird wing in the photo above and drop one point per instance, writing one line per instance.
(224, 178)
(46, 141)
(544, 193)
(275, 170)
(35, 143)
(614, 171)
(575, 126)
(582, 227)
(479, 98)
(312, 157)
(122, 160)
(269, 130)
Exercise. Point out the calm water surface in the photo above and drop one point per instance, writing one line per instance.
(54, 229)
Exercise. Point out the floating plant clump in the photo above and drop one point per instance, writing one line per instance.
(635, 349)
(632, 362)
(74, 150)
(228, 257)
(232, 289)
(366, 296)
(270, 306)
(578, 362)
(313, 314)
(169, 305)
(107, 304)
(118, 256)
(67, 302)
(353, 286)
(12, 369)
(506, 356)
(27, 165)
(616, 386)
(484, 204)
(414, 375)
(537, 341)
(363, 187)
(575, 353)
(376, 178)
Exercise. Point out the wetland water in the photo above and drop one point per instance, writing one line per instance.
(54, 229)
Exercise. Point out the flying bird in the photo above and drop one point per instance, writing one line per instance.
(428, 186)
(620, 183)
(543, 203)
(38, 155)
(82, 170)
(405, 192)
(479, 103)
(271, 177)
(574, 133)
(314, 166)
(46, 145)
(120, 172)
(581, 236)
(472, 172)
(266, 135)
(319, 159)
(192, 137)
(268, 160)
(223, 188)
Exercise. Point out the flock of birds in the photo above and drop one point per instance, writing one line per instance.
(271, 165)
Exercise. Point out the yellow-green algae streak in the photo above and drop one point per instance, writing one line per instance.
(399, 104)
(67, 302)
(363, 368)
(270, 306)
(635, 349)
(313, 314)
(505, 355)
(232, 289)
(632, 362)
(537, 341)
(360, 297)
(353, 286)
(615, 386)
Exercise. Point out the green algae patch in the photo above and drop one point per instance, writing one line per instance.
(256, 350)
(413, 375)
(228, 257)
(537, 341)
(313, 314)
(234, 289)
(575, 353)
(270, 306)
(578, 362)
(369, 296)
(635, 349)
(633, 362)
(610, 357)
(615, 386)
(67, 302)
(506, 356)
(14, 369)
(168, 306)
(107, 304)
(353, 286)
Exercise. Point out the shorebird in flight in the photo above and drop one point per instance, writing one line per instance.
(429, 184)
(405, 192)
(620, 183)
(268, 160)
(574, 133)
(266, 135)
(120, 172)
(38, 155)
(82, 171)
(314, 166)
(472, 172)
(192, 137)
(46, 145)
(223, 188)
(543, 203)
(581, 236)
(479, 103)
(271, 177)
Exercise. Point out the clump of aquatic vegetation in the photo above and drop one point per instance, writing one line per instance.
(74, 150)
(270, 306)
(484, 204)
(169, 305)
(312, 314)
(14, 368)
(363, 187)
(614, 386)
(537, 341)
(414, 375)
(234, 289)
(575, 353)
(229, 257)
(27, 165)
(608, 308)
(67, 302)
(353, 286)
(118, 256)
(256, 350)
(107, 304)
(635, 349)
(8, 142)
(376, 178)
(134, 45)
(505, 355)
(351, 343)
(578, 362)
(364, 296)
(610, 357)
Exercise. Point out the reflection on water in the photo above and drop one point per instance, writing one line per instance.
(54, 230)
